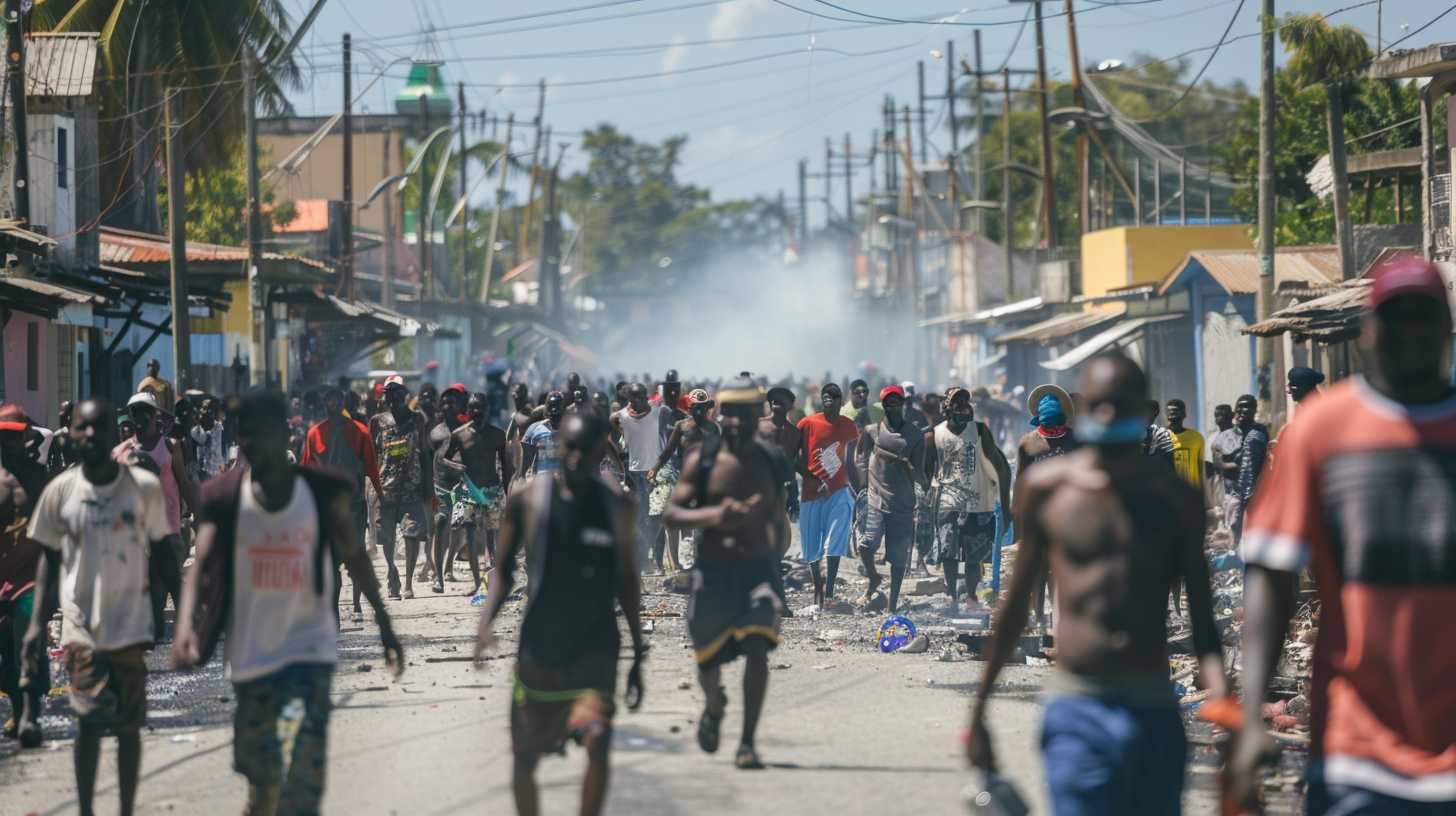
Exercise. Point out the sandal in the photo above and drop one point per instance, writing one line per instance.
(747, 759)
(709, 725)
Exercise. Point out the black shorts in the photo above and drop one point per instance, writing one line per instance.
(731, 602)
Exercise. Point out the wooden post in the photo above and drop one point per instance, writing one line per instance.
(177, 237)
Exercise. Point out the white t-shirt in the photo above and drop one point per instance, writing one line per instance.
(210, 456)
(104, 535)
(642, 437)
(278, 618)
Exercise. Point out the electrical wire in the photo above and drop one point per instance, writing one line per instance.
(1194, 84)
(1017, 41)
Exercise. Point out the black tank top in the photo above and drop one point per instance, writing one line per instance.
(572, 560)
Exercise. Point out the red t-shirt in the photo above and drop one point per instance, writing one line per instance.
(1364, 492)
(828, 446)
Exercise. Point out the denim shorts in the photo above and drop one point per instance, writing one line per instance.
(1109, 759)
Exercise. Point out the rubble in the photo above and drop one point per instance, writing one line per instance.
(920, 644)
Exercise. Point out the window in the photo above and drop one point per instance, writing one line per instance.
(32, 356)
(62, 161)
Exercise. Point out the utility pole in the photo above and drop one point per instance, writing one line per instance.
(500, 199)
(920, 67)
(1048, 199)
(1265, 302)
(1084, 169)
(1207, 195)
(15, 59)
(1183, 190)
(346, 261)
(538, 123)
(423, 237)
(848, 180)
(1157, 192)
(980, 132)
(386, 294)
(257, 292)
(828, 181)
(549, 296)
(177, 237)
(803, 207)
(1137, 198)
(465, 214)
(1006, 181)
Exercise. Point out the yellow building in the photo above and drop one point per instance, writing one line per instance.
(1132, 256)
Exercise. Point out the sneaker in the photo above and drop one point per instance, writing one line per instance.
(394, 593)
(437, 587)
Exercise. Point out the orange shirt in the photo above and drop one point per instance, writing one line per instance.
(1365, 494)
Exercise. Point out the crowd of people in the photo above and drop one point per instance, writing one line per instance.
(246, 511)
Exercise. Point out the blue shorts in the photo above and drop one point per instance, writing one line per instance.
(1108, 758)
(824, 525)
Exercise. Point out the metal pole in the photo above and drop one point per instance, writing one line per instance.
(1137, 198)
(955, 131)
(848, 180)
(423, 237)
(386, 294)
(177, 237)
(346, 261)
(1048, 200)
(500, 197)
(15, 59)
(464, 191)
(980, 134)
(1183, 190)
(1265, 302)
(828, 181)
(920, 66)
(803, 207)
(1208, 194)
(1006, 182)
(257, 293)
(1157, 191)
(1084, 169)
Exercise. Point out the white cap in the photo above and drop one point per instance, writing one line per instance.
(143, 398)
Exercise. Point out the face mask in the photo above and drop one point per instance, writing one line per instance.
(1121, 432)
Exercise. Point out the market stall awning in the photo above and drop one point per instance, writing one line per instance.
(1019, 307)
(406, 326)
(62, 304)
(1329, 319)
(1063, 325)
(1123, 332)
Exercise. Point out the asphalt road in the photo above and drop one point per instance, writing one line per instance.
(846, 730)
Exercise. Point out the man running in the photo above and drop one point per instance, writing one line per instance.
(640, 426)
(777, 429)
(892, 453)
(1363, 497)
(261, 577)
(1117, 534)
(22, 480)
(477, 456)
(151, 450)
(540, 447)
(96, 523)
(1187, 444)
(732, 490)
(830, 484)
(406, 480)
(576, 532)
(968, 474)
(345, 445)
(686, 434)
(452, 416)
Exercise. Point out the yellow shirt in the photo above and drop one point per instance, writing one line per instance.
(1188, 456)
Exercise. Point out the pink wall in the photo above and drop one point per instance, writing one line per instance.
(34, 402)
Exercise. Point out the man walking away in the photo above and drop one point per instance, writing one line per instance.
(1363, 496)
(154, 452)
(732, 490)
(407, 483)
(830, 484)
(262, 577)
(576, 532)
(892, 453)
(97, 523)
(968, 474)
(1187, 444)
(1117, 534)
(640, 426)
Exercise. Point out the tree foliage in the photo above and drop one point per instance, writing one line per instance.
(217, 204)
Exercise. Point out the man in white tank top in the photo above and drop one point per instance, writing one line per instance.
(265, 527)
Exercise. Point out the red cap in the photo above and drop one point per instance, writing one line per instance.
(890, 390)
(13, 418)
(432, 365)
(1407, 276)
(456, 387)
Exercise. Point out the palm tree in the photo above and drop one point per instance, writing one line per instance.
(149, 46)
(1331, 57)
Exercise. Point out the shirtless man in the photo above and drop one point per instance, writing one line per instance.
(1118, 535)
(452, 408)
(686, 434)
(732, 491)
(477, 458)
(783, 433)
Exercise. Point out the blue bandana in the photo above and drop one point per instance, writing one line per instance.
(1049, 413)
(1121, 432)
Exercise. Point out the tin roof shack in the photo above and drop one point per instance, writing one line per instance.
(1437, 64)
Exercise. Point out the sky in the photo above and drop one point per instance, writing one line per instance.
(782, 82)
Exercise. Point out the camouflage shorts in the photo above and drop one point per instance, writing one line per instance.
(280, 734)
(465, 511)
(662, 490)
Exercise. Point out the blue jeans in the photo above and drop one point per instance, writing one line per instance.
(1107, 758)
(1325, 799)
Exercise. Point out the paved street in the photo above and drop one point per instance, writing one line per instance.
(846, 730)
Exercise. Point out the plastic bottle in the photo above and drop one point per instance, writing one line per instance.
(994, 795)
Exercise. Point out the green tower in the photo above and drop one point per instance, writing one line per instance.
(424, 80)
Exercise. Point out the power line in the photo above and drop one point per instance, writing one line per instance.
(1191, 85)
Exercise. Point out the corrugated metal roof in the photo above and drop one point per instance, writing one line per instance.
(1330, 318)
(119, 246)
(1063, 325)
(1120, 331)
(60, 64)
(51, 290)
(1237, 270)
